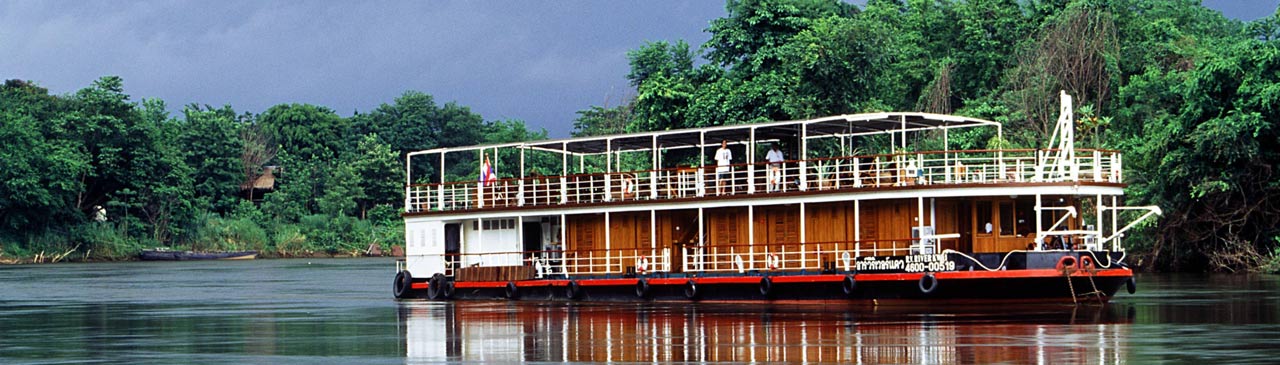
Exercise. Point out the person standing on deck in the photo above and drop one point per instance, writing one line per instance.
(774, 157)
(486, 175)
(722, 166)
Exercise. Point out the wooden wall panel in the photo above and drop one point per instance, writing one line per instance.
(726, 227)
(829, 222)
(869, 223)
(777, 224)
(586, 232)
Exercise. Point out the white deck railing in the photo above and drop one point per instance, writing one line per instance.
(904, 169)
(744, 258)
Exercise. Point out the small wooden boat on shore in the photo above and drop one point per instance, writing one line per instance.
(164, 254)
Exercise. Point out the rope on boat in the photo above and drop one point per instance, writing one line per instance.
(1006, 259)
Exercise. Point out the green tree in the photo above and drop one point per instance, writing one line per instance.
(39, 171)
(381, 176)
(599, 121)
(306, 131)
(210, 140)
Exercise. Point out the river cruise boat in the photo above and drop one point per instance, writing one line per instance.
(877, 208)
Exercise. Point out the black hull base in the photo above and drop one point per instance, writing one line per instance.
(1038, 278)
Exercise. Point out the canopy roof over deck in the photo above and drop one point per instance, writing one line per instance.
(832, 126)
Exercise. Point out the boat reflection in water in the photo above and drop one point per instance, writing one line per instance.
(680, 332)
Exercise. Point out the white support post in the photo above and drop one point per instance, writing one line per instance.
(702, 239)
(702, 164)
(857, 228)
(520, 202)
(946, 156)
(751, 162)
(1098, 205)
(408, 190)
(608, 170)
(903, 119)
(653, 170)
(442, 181)
(1115, 224)
(804, 156)
(564, 244)
(999, 152)
(1039, 223)
(920, 221)
(751, 225)
(608, 249)
(803, 223)
(520, 233)
(564, 174)
(653, 232)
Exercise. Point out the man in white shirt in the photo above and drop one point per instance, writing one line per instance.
(722, 166)
(774, 157)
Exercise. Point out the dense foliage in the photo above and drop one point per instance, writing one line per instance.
(1189, 96)
(95, 175)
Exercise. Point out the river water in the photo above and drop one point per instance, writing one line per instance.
(319, 311)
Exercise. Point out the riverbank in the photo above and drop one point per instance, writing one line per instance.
(86, 257)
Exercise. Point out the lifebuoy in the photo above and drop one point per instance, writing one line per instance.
(928, 283)
(642, 265)
(402, 285)
(690, 290)
(1067, 263)
(1086, 264)
(766, 286)
(1131, 285)
(772, 261)
(642, 288)
(512, 292)
(573, 290)
(850, 285)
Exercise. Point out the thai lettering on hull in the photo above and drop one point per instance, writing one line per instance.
(909, 263)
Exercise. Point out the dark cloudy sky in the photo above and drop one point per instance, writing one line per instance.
(535, 61)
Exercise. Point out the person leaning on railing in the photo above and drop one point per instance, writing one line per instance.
(775, 158)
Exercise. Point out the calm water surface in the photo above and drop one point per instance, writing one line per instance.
(341, 311)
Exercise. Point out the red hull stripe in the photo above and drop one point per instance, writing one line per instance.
(823, 278)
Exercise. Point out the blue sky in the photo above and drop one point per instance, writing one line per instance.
(535, 61)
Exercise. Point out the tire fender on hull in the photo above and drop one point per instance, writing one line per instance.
(403, 285)
(573, 290)
(437, 287)
(642, 288)
(850, 284)
(511, 291)
(433, 288)
(928, 283)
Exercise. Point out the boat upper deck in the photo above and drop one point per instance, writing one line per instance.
(824, 155)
